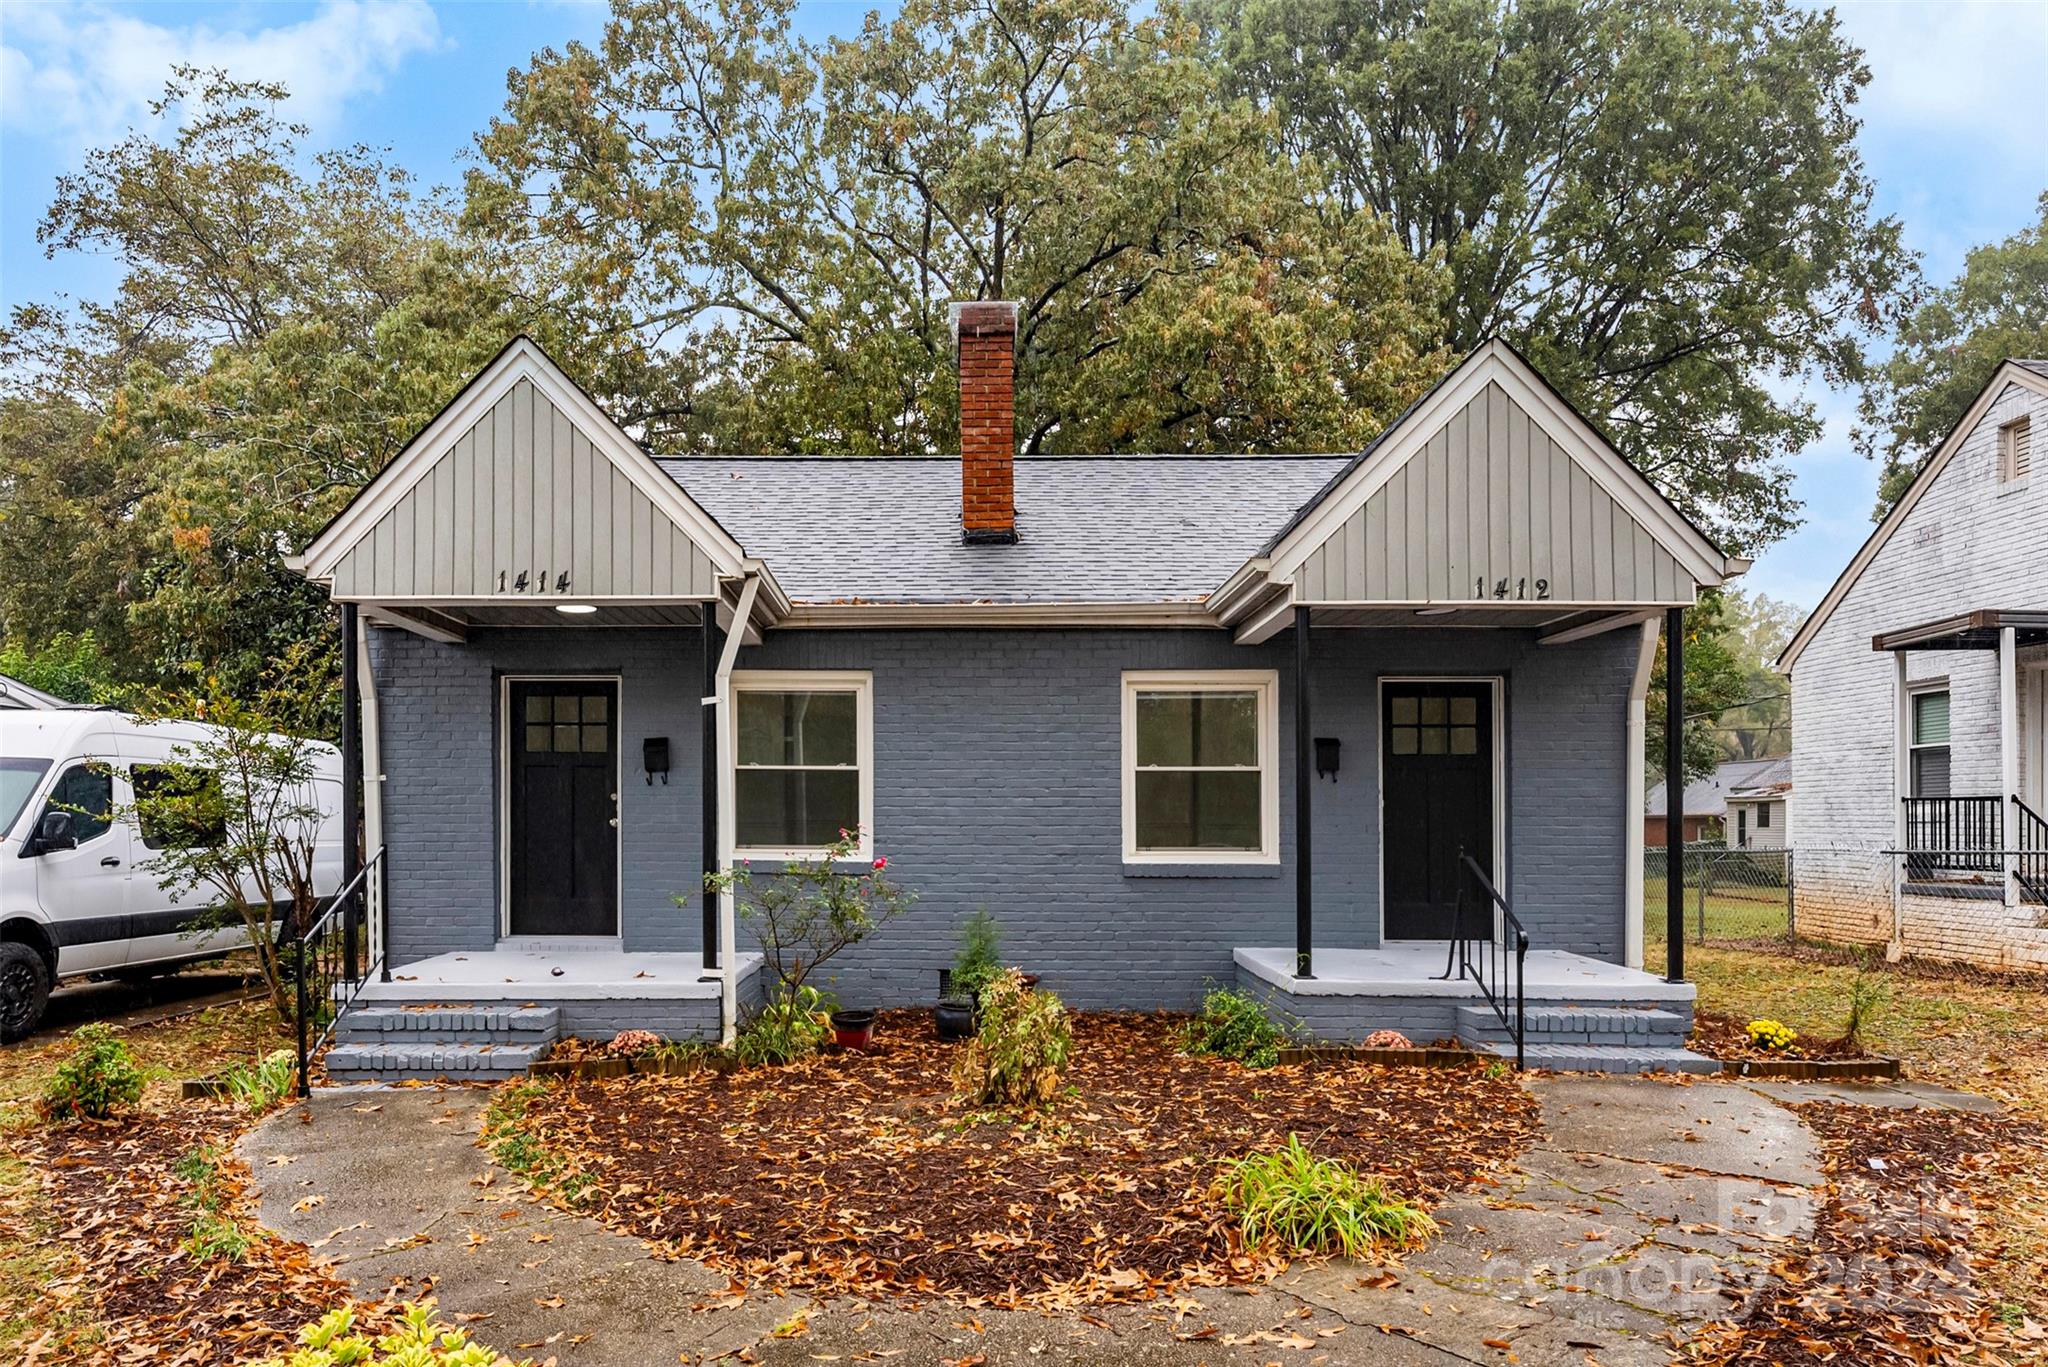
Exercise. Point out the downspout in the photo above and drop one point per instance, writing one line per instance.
(1638, 733)
(373, 795)
(721, 701)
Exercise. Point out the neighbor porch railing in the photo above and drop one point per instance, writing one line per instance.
(1953, 834)
(2031, 864)
(1491, 949)
(334, 958)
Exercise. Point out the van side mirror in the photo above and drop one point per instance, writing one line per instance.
(55, 832)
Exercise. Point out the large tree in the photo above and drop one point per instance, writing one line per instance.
(789, 220)
(1947, 350)
(1662, 203)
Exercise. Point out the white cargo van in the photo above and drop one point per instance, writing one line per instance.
(77, 897)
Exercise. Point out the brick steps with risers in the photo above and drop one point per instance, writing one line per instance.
(395, 1044)
(1591, 1039)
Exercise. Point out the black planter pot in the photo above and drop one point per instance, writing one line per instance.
(953, 1019)
(853, 1029)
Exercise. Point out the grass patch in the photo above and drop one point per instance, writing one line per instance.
(38, 1272)
(167, 1051)
(512, 1138)
(1293, 1200)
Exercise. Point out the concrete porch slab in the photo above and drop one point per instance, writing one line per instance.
(571, 974)
(1411, 968)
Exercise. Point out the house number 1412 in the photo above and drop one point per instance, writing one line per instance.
(1519, 589)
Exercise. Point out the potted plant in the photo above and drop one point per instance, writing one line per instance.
(853, 1029)
(976, 965)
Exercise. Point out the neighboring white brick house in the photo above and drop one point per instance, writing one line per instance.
(1962, 561)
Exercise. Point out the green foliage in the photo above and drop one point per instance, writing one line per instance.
(98, 1079)
(420, 1340)
(1020, 1049)
(237, 813)
(1298, 1202)
(812, 909)
(795, 1025)
(263, 1084)
(70, 666)
(214, 1233)
(980, 958)
(1758, 628)
(515, 1144)
(1869, 993)
(1947, 350)
(1233, 1025)
(1662, 204)
(1715, 680)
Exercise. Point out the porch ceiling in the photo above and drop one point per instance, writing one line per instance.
(1978, 630)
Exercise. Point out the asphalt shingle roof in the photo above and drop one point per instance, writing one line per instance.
(1091, 529)
(1738, 778)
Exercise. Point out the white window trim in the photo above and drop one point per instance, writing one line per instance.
(1916, 689)
(1266, 683)
(861, 683)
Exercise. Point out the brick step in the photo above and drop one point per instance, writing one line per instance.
(454, 1024)
(1580, 1025)
(1609, 1058)
(425, 1059)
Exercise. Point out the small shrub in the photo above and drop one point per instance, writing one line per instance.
(1771, 1035)
(1233, 1025)
(795, 1025)
(980, 959)
(262, 1085)
(1869, 994)
(634, 1044)
(1020, 1049)
(1299, 1202)
(421, 1340)
(98, 1079)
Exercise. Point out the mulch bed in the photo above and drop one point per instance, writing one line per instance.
(1727, 1038)
(1895, 1271)
(122, 1208)
(862, 1174)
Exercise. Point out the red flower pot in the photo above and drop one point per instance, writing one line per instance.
(853, 1029)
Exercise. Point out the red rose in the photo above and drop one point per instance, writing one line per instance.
(881, 864)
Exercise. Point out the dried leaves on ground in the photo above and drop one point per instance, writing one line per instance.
(1896, 1270)
(122, 1195)
(1722, 1036)
(863, 1173)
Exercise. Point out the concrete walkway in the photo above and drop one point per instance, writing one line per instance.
(1648, 1207)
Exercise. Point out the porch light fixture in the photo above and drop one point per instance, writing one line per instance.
(576, 609)
(1434, 612)
(1326, 756)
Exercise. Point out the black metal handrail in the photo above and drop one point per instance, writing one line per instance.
(2031, 863)
(1959, 834)
(335, 956)
(1485, 958)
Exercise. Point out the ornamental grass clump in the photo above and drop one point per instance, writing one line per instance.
(420, 1340)
(1019, 1052)
(1233, 1025)
(1294, 1201)
(98, 1079)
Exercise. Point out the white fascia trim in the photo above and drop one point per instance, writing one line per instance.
(1268, 622)
(521, 360)
(1234, 596)
(1496, 363)
(2007, 373)
(829, 615)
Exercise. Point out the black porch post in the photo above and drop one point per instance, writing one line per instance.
(1304, 788)
(1674, 795)
(707, 779)
(351, 778)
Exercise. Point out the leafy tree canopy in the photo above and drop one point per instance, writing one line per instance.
(1947, 350)
(1662, 204)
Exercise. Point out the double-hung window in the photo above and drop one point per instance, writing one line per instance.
(1930, 744)
(1200, 781)
(803, 762)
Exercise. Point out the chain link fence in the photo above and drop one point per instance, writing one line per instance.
(1924, 905)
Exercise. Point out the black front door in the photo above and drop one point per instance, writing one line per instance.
(565, 805)
(1436, 741)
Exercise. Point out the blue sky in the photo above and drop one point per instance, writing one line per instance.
(1952, 122)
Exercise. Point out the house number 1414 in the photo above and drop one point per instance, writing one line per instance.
(528, 582)
(1519, 589)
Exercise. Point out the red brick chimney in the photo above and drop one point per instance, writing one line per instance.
(985, 340)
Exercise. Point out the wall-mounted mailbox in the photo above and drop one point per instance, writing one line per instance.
(654, 758)
(1326, 756)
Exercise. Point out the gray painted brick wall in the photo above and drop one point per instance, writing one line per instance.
(997, 785)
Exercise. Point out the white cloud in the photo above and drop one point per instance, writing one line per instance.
(84, 75)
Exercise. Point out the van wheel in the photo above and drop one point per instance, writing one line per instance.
(24, 990)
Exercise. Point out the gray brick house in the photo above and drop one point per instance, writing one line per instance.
(1173, 720)
(1920, 705)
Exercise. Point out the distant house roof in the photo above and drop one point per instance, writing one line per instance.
(1745, 780)
(1128, 529)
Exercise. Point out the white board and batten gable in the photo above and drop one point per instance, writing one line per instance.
(1492, 494)
(522, 491)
